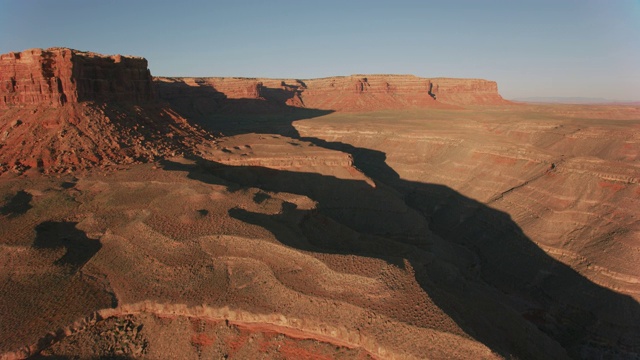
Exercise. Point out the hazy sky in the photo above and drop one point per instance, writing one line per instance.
(531, 48)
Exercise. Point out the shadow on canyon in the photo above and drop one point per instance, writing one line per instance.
(217, 113)
(533, 287)
(501, 289)
(57, 294)
(19, 204)
(79, 249)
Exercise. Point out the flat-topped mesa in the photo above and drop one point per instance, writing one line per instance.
(368, 92)
(57, 76)
(342, 93)
(362, 83)
(466, 91)
(406, 90)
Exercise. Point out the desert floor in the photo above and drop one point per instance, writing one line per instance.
(489, 232)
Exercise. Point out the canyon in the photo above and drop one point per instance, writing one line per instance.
(362, 216)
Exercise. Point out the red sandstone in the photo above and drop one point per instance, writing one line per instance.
(58, 75)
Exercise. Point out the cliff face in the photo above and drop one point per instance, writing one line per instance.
(112, 78)
(108, 105)
(345, 93)
(35, 77)
(466, 91)
(369, 92)
(398, 91)
(63, 109)
(58, 75)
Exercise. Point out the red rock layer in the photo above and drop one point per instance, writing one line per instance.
(345, 93)
(398, 91)
(466, 91)
(63, 109)
(369, 92)
(58, 75)
(80, 136)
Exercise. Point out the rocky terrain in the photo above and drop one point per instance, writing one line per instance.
(64, 109)
(367, 217)
(204, 96)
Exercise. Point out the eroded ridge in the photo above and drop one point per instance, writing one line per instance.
(302, 329)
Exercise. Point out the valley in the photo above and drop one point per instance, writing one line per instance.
(368, 216)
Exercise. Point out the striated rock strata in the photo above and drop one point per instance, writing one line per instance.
(566, 175)
(58, 75)
(197, 96)
(466, 91)
(63, 109)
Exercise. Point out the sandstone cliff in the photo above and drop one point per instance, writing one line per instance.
(466, 91)
(369, 92)
(63, 109)
(58, 75)
(344, 93)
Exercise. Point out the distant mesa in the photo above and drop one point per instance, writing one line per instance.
(342, 93)
(64, 109)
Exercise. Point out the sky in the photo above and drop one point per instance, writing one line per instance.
(550, 48)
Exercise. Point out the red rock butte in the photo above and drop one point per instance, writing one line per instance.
(81, 109)
(57, 76)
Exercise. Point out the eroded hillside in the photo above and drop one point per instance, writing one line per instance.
(372, 216)
(63, 109)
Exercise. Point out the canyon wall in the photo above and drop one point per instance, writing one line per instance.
(369, 92)
(342, 93)
(56, 76)
(466, 91)
(399, 91)
(63, 109)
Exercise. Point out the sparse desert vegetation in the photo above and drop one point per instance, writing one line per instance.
(228, 218)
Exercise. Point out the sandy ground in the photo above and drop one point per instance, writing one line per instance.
(483, 233)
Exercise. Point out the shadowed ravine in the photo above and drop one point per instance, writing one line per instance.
(563, 304)
(505, 292)
(351, 217)
(349, 253)
(559, 300)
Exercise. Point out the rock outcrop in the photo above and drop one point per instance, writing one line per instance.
(369, 92)
(63, 109)
(343, 93)
(57, 76)
(466, 91)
